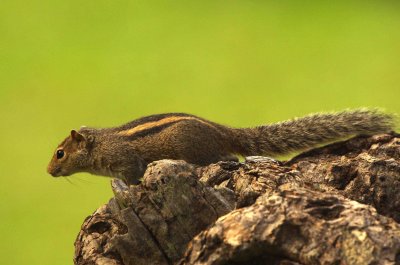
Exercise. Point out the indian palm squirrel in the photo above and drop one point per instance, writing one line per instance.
(124, 152)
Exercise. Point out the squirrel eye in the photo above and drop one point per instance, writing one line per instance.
(60, 154)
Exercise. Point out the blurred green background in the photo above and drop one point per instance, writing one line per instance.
(64, 64)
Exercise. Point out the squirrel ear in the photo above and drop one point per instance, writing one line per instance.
(77, 136)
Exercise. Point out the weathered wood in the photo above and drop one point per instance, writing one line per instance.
(153, 222)
(299, 225)
(365, 169)
(303, 211)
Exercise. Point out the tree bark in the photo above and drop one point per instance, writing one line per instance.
(338, 204)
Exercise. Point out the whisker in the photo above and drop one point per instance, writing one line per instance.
(82, 180)
(67, 179)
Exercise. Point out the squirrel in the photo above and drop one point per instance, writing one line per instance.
(125, 151)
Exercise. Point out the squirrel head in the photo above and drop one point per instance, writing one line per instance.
(71, 155)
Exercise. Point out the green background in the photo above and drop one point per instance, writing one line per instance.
(64, 64)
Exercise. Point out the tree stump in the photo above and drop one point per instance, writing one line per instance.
(338, 204)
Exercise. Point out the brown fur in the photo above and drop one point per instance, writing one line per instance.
(158, 123)
(125, 151)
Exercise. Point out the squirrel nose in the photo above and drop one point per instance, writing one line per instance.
(53, 171)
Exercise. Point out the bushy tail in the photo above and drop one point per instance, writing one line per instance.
(309, 131)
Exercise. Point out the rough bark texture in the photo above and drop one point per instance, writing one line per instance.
(337, 204)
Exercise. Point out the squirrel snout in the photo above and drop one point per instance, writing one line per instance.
(54, 171)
